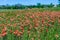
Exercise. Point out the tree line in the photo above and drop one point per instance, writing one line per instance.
(20, 6)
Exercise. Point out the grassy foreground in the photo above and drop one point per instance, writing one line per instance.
(31, 24)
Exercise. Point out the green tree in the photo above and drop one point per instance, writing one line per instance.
(59, 2)
(38, 5)
(50, 5)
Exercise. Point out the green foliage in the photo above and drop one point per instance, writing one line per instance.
(20, 6)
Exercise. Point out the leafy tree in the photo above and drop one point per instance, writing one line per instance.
(51, 5)
(38, 5)
(59, 2)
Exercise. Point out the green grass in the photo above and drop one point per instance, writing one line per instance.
(34, 9)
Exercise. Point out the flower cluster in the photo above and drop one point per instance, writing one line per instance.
(30, 25)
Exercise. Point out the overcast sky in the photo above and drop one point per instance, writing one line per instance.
(27, 2)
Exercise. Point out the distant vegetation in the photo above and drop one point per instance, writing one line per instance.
(20, 6)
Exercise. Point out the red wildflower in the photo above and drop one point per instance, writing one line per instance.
(16, 32)
(4, 33)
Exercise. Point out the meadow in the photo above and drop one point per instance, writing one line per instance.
(30, 24)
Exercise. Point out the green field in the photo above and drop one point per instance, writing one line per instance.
(30, 24)
(41, 9)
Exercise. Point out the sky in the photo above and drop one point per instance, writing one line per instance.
(27, 2)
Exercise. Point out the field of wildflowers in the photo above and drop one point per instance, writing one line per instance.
(30, 25)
